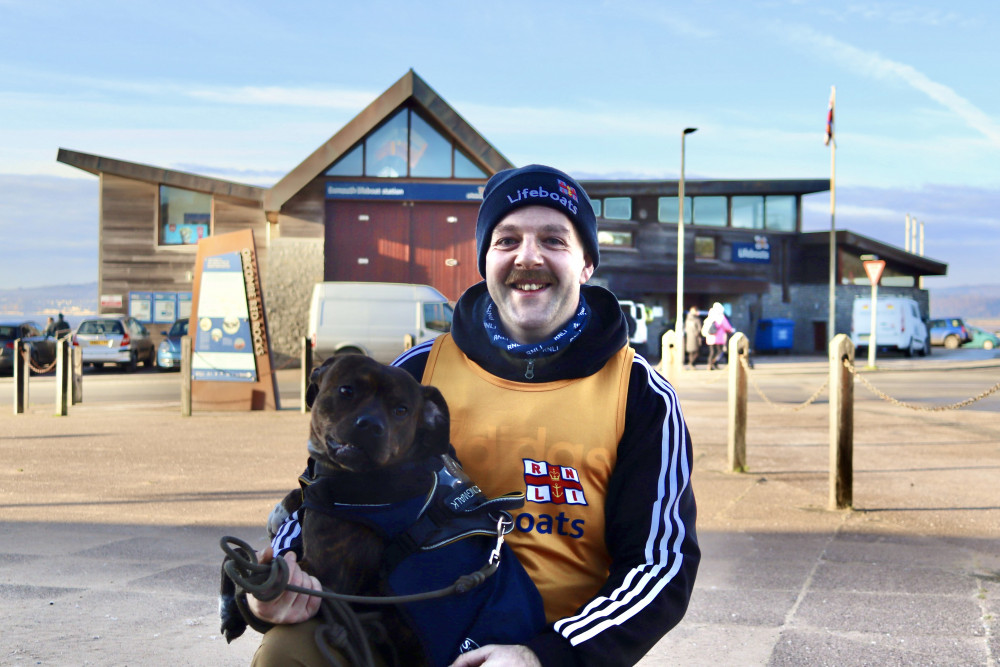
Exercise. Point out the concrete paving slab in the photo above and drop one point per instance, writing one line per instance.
(110, 521)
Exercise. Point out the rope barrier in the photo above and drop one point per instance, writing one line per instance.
(793, 408)
(937, 408)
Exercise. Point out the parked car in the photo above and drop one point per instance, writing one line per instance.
(117, 340)
(43, 348)
(949, 331)
(982, 338)
(168, 354)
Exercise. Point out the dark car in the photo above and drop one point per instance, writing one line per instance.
(115, 339)
(43, 348)
(949, 331)
(168, 354)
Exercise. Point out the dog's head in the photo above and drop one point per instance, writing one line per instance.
(366, 415)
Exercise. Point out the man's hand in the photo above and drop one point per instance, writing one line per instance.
(496, 655)
(289, 607)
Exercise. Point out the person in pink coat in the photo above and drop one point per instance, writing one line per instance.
(716, 330)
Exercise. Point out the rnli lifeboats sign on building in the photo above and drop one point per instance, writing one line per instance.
(758, 252)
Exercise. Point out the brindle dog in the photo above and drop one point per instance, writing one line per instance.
(367, 418)
(368, 421)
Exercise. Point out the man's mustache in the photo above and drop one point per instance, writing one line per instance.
(530, 276)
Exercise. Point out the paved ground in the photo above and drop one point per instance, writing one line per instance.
(110, 524)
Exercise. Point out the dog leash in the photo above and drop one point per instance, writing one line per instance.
(343, 628)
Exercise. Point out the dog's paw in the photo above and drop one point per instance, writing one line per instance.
(233, 624)
(278, 516)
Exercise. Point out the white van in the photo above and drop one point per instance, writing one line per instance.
(637, 312)
(374, 319)
(898, 325)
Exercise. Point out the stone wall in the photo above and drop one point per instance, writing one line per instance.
(293, 267)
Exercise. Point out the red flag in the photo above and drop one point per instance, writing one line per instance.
(829, 117)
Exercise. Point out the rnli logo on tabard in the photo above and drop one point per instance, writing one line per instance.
(547, 483)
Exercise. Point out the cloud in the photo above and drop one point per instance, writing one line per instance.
(872, 64)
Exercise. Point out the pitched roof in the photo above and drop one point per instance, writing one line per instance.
(409, 87)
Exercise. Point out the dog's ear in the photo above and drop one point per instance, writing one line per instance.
(434, 432)
(316, 380)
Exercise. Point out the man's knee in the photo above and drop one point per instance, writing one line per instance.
(291, 646)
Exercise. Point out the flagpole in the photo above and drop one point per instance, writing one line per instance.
(833, 225)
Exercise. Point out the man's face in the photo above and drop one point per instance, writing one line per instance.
(535, 265)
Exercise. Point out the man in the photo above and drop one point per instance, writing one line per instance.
(545, 395)
(61, 327)
(50, 327)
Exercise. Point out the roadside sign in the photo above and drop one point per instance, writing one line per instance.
(874, 268)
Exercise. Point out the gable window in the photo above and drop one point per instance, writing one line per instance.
(185, 216)
(406, 146)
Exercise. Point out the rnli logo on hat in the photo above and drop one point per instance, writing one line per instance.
(567, 190)
(547, 483)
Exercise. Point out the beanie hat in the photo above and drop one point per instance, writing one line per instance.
(535, 185)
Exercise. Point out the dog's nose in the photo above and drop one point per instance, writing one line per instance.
(370, 424)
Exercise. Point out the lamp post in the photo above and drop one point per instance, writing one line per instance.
(679, 326)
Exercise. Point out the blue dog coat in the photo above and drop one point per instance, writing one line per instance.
(435, 535)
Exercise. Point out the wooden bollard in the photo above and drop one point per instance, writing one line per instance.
(668, 360)
(64, 378)
(307, 363)
(841, 424)
(739, 347)
(21, 371)
(185, 376)
(77, 354)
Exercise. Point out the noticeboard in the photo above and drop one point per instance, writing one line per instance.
(231, 365)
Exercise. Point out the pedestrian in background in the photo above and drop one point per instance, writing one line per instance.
(692, 336)
(716, 330)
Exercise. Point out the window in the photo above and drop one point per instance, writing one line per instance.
(351, 164)
(668, 209)
(386, 148)
(185, 216)
(466, 168)
(430, 153)
(616, 239)
(596, 203)
(618, 208)
(779, 212)
(437, 316)
(406, 145)
(710, 211)
(748, 212)
(704, 247)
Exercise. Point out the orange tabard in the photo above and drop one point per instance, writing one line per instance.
(558, 442)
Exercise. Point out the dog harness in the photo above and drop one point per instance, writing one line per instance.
(438, 526)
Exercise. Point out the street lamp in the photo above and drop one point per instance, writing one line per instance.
(679, 326)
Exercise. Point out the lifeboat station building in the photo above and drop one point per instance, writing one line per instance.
(393, 197)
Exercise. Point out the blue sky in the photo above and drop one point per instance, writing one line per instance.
(246, 90)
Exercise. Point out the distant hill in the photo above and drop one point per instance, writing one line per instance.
(52, 299)
(976, 302)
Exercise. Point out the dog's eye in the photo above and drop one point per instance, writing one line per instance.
(346, 391)
(400, 411)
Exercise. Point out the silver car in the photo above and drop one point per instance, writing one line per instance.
(115, 340)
